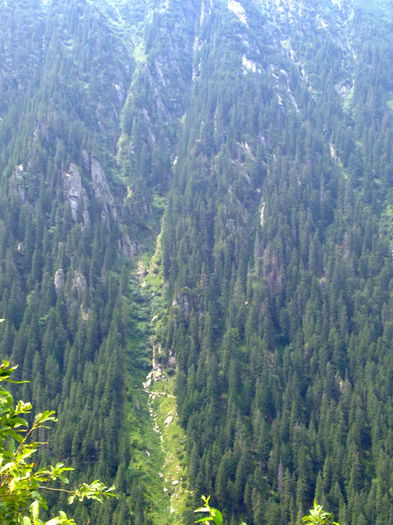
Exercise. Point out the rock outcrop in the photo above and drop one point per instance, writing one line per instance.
(75, 194)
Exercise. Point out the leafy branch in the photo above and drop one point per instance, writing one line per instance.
(21, 483)
(318, 516)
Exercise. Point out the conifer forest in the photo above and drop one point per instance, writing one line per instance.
(196, 252)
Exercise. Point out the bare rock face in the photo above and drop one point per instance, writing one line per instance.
(86, 159)
(105, 198)
(102, 192)
(59, 280)
(172, 359)
(79, 285)
(127, 247)
(169, 419)
(76, 195)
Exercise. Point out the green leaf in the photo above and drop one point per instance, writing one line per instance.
(43, 417)
(15, 435)
(23, 408)
(214, 514)
(18, 422)
(61, 519)
(217, 516)
(202, 509)
(35, 510)
(6, 371)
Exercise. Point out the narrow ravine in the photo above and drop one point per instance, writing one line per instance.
(159, 386)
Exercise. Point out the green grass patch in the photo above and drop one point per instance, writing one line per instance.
(173, 445)
(147, 457)
(156, 439)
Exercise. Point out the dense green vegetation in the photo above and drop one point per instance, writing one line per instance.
(22, 485)
(255, 143)
(278, 258)
(67, 293)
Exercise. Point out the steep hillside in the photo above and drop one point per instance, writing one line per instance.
(252, 139)
(75, 212)
(278, 256)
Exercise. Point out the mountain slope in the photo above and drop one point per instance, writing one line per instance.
(277, 253)
(256, 134)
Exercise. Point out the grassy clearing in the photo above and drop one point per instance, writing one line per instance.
(155, 433)
(147, 457)
(173, 446)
